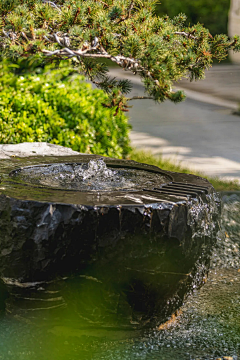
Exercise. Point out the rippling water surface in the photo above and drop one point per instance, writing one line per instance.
(94, 175)
(206, 327)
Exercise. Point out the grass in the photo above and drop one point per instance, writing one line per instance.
(148, 158)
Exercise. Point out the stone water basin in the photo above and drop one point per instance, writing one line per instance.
(138, 236)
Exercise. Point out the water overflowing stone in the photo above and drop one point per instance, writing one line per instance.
(202, 215)
(206, 327)
(226, 253)
(145, 235)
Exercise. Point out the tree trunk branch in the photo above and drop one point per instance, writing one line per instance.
(141, 98)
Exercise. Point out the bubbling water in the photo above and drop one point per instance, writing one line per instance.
(96, 176)
(92, 176)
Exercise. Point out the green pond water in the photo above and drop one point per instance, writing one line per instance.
(208, 326)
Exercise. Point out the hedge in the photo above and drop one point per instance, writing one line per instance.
(57, 106)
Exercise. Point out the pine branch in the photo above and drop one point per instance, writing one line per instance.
(124, 62)
(125, 32)
(187, 35)
(141, 98)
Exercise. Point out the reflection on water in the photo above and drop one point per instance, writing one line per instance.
(208, 326)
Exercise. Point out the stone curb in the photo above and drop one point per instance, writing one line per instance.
(34, 149)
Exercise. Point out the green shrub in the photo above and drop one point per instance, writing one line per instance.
(211, 13)
(58, 107)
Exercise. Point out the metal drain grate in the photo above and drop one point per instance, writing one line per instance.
(182, 190)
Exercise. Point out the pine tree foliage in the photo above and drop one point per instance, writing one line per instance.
(159, 50)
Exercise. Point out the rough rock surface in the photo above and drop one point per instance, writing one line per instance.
(143, 250)
(27, 149)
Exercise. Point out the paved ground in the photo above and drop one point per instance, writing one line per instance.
(201, 133)
(222, 81)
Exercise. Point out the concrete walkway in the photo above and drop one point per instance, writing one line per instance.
(221, 82)
(201, 133)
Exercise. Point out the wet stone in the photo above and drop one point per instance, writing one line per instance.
(136, 238)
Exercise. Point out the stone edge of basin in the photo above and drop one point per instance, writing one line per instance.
(27, 149)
